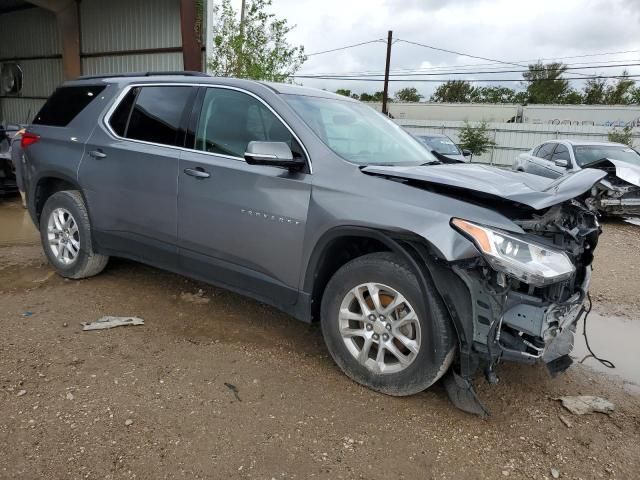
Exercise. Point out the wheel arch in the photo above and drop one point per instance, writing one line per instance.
(45, 185)
(340, 245)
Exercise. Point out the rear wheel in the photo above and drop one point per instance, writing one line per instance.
(65, 232)
(382, 330)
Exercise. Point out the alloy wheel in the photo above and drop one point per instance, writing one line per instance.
(379, 327)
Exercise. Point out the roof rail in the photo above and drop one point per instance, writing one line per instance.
(143, 74)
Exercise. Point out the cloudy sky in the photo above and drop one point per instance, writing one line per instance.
(508, 30)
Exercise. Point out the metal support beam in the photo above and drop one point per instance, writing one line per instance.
(191, 43)
(68, 20)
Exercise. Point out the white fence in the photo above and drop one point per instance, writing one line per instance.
(512, 138)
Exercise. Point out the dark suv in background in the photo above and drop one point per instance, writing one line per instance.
(319, 205)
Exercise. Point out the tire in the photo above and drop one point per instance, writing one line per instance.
(86, 262)
(429, 331)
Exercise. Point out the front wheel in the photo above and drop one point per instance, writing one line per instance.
(382, 330)
(65, 232)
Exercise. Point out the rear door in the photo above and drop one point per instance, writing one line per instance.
(130, 173)
(241, 225)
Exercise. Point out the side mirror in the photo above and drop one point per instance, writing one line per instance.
(276, 154)
(561, 163)
(467, 153)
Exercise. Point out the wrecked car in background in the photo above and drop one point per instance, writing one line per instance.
(617, 194)
(324, 208)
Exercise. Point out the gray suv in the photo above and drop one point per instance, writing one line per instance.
(322, 207)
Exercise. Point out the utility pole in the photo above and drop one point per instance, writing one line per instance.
(386, 74)
(239, 65)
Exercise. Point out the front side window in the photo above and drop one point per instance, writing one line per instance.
(546, 150)
(358, 133)
(230, 119)
(156, 115)
(561, 153)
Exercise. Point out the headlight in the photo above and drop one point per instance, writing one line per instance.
(532, 263)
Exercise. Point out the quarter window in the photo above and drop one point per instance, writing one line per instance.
(229, 120)
(156, 115)
(65, 104)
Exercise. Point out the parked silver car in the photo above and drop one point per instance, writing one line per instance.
(617, 194)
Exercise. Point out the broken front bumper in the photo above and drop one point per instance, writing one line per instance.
(620, 206)
(523, 326)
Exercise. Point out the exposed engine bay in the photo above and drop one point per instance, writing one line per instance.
(619, 192)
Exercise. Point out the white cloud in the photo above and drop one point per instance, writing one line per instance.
(500, 29)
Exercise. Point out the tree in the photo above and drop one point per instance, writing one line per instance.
(572, 97)
(475, 139)
(545, 83)
(594, 91)
(622, 136)
(621, 92)
(453, 91)
(493, 95)
(376, 97)
(257, 49)
(347, 93)
(409, 94)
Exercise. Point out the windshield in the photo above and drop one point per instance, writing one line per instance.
(586, 154)
(443, 145)
(358, 133)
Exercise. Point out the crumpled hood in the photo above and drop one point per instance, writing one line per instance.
(483, 180)
(624, 170)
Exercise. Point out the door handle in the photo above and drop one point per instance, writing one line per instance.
(97, 154)
(197, 172)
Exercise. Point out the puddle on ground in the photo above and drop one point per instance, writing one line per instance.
(16, 227)
(615, 339)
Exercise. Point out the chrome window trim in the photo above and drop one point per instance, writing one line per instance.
(125, 91)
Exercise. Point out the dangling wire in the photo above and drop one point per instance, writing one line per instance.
(606, 363)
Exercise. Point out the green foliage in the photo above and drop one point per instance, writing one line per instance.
(493, 94)
(545, 83)
(257, 49)
(594, 91)
(621, 93)
(345, 92)
(409, 94)
(572, 97)
(477, 139)
(624, 135)
(453, 91)
(376, 97)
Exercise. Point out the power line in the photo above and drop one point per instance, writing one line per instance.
(419, 74)
(463, 68)
(466, 54)
(440, 80)
(378, 40)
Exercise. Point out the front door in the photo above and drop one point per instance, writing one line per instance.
(129, 174)
(239, 225)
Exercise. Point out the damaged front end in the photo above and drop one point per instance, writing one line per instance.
(527, 291)
(618, 194)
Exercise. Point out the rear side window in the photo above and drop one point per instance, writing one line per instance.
(156, 115)
(65, 104)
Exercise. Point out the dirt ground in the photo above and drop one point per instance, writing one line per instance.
(218, 386)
